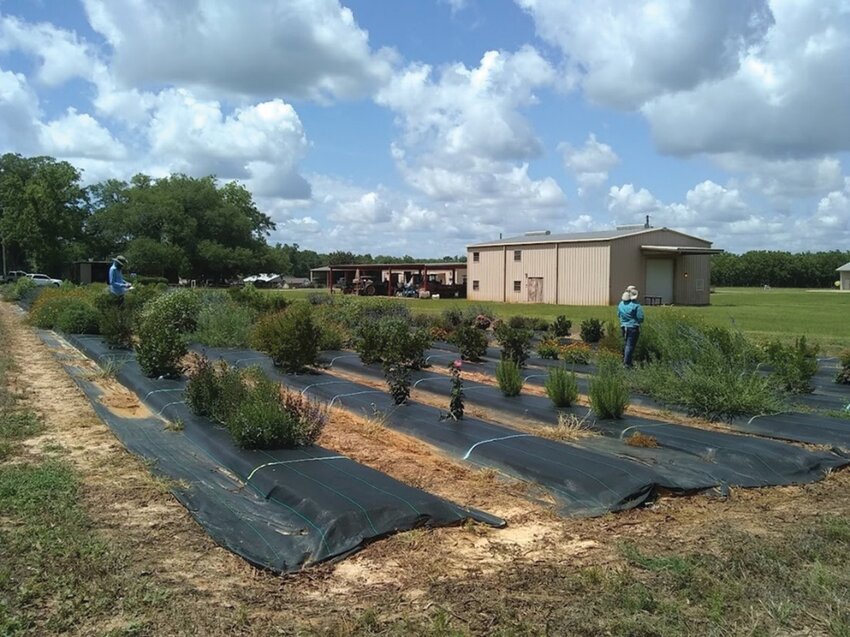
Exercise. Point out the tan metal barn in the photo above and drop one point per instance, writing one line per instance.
(592, 268)
(844, 277)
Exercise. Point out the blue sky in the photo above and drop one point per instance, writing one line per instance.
(418, 127)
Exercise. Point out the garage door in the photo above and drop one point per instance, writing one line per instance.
(659, 279)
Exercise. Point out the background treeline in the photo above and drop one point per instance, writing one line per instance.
(173, 227)
(778, 269)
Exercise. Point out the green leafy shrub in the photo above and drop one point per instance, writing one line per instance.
(609, 394)
(225, 324)
(561, 326)
(391, 340)
(259, 420)
(515, 343)
(150, 280)
(116, 321)
(844, 357)
(163, 326)
(291, 337)
(398, 380)
(793, 365)
(509, 377)
(471, 341)
(452, 318)
(332, 336)
(229, 391)
(51, 302)
(561, 387)
(259, 301)
(79, 317)
(456, 396)
(19, 289)
(591, 330)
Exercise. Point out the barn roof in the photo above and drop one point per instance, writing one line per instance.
(568, 237)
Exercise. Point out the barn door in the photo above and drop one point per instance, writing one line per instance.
(535, 290)
(659, 279)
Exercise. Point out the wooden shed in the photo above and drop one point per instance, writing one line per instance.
(592, 268)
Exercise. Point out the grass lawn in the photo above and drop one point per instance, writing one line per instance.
(782, 313)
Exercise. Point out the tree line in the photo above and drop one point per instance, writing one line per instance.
(177, 226)
(777, 268)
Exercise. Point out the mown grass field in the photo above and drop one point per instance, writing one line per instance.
(820, 315)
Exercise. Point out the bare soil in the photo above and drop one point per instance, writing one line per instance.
(407, 575)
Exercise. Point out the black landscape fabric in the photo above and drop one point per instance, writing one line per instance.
(301, 506)
(684, 457)
(584, 482)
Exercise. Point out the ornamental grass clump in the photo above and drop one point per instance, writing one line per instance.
(710, 371)
(223, 323)
(561, 387)
(257, 412)
(290, 337)
(509, 377)
(793, 365)
(609, 393)
(163, 332)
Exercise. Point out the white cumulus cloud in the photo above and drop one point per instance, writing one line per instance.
(590, 163)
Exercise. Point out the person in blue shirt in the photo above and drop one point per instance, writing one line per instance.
(630, 314)
(117, 285)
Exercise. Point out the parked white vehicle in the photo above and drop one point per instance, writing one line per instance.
(44, 280)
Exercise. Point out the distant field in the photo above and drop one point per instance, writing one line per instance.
(778, 313)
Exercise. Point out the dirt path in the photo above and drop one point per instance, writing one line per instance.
(214, 592)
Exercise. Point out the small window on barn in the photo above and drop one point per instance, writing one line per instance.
(475, 256)
(517, 286)
(517, 255)
(474, 284)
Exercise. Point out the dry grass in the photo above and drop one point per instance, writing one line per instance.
(569, 427)
(638, 439)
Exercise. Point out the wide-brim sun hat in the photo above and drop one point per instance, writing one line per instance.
(633, 293)
(627, 296)
(121, 259)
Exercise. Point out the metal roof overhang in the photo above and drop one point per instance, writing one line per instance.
(672, 250)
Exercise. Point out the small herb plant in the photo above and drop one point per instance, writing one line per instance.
(561, 387)
(509, 377)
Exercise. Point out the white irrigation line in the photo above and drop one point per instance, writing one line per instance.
(157, 391)
(446, 355)
(176, 402)
(282, 462)
(336, 358)
(330, 382)
(535, 376)
(422, 380)
(484, 442)
(623, 433)
(357, 393)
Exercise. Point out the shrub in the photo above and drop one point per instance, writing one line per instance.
(520, 322)
(260, 302)
(225, 324)
(79, 317)
(561, 387)
(471, 341)
(19, 289)
(591, 330)
(452, 318)
(609, 395)
(258, 414)
(482, 321)
(163, 326)
(561, 326)
(116, 321)
(398, 380)
(51, 302)
(515, 342)
(612, 341)
(332, 336)
(456, 395)
(390, 340)
(549, 348)
(291, 337)
(843, 376)
(793, 365)
(509, 377)
(202, 389)
(710, 371)
(576, 353)
(150, 280)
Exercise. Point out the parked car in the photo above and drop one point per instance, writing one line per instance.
(14, 275)
(44, 280)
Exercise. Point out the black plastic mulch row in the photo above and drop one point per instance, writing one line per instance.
(584, 482)
(717, 457)
(320, 505)
(791, 426)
